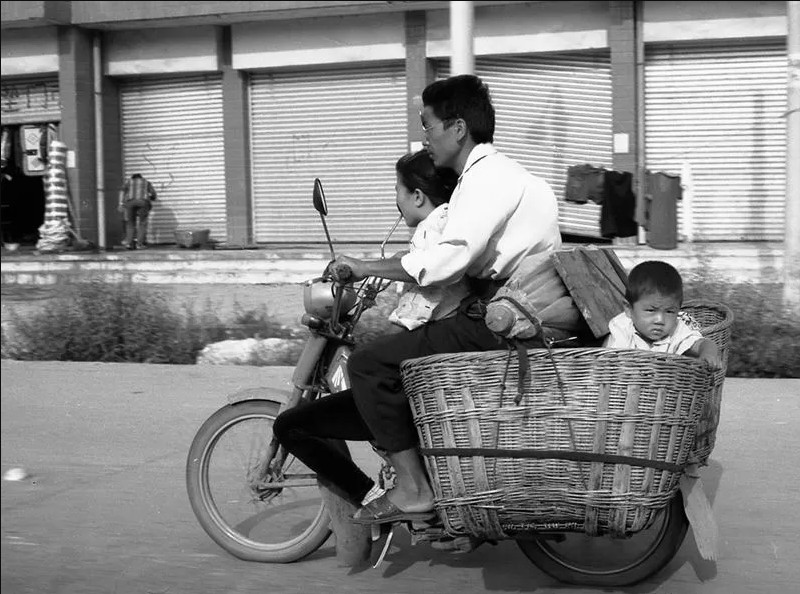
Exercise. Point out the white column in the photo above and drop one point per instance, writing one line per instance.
(791, 252)
(462, 20)
(97, 66)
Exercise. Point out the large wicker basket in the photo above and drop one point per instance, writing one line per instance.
(715, 321)
(596, 445)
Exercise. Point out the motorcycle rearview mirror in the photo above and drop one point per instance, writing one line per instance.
(385, 241)
(319, 198)
(322, 208)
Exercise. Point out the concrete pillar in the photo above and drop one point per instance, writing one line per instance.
(112, 160)
(792, 234)
(622, 41)
(462, 19)
(235, 114)
(75, 81)
(626, 47)
(419, 73)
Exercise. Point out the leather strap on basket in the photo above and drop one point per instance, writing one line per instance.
(524, 371)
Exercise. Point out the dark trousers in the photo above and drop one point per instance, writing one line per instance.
(376, 409)
(306, 431)
(136, 214)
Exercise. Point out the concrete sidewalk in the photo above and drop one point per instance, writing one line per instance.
(738, 261)
(105, 509)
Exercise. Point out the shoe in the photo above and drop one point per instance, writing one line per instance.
(127, 246)
(383, 511)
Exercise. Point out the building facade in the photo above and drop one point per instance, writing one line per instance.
(232, 109)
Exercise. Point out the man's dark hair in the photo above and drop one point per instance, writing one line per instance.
(651, 277)
(136, 175)
(464, 96)
(417, 171)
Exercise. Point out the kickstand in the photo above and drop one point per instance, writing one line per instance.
(385, 547)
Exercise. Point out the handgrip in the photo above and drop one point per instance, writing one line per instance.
(341, 272)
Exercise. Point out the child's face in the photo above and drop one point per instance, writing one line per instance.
(408, 203)
(655, 316)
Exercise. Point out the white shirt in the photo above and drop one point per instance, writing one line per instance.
(623, 335)
(499, 213)
(419, 305)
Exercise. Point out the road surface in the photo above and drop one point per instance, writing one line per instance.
(105, 508)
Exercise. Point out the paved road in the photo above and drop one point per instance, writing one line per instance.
(105, 509)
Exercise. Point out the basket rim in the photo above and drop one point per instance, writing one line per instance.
(560, 353)
(727, 313)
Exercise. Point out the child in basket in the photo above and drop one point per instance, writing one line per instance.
(652, 319)
(422, 196)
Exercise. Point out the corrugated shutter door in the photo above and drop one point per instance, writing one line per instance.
(553, 111)
(172, 134)
(345, 126)
(719, 110)
(31, 100)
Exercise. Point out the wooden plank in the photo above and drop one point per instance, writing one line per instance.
(595, 284)
(453, 463)
(613, 259)
(599, 447)
(652, 452)
(622, 472)
(699, 513)
(598, 259)
(489, 522)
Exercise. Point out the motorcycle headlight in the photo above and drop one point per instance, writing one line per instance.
(319, 295)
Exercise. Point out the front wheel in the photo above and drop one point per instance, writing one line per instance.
(277, 517)
(604, 561)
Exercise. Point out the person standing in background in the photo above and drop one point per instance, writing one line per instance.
(135, 203)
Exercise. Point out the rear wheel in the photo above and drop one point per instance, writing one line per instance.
(277, 520)
(605, 561)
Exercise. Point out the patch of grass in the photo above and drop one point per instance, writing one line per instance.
(765, 337)
(123, 322)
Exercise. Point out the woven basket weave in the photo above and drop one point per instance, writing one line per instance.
(501, 469)
(715, 321)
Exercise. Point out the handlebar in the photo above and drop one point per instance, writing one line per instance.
(341, 273)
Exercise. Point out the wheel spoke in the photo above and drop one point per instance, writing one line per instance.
(268, 520)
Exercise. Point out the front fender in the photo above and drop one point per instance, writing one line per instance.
(275, 395)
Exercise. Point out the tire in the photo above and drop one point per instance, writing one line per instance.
(585, 560)
(271, 525)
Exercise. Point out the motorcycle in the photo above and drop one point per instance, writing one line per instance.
(259, 503)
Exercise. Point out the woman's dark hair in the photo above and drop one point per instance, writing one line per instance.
(417, 171)
(464, 96)
(654, 277)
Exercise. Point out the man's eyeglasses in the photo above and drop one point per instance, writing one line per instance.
(445, 124)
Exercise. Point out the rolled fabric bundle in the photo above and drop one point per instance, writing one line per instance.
(55, 232)
(56, 206)
(536, 288)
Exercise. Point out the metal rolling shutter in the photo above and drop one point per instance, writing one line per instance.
(172, 134)
(553, 111)
(720, 110)
(31, 100)
(346, 126)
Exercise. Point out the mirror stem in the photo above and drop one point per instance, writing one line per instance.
(328, 235)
